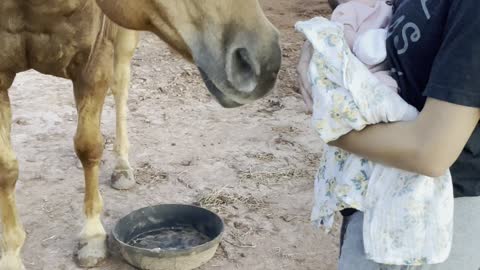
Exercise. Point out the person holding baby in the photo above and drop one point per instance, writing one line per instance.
(427, 51)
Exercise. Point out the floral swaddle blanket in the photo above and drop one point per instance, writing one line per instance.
(408, 218)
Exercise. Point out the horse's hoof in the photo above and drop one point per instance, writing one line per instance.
(123, 179)
(11, 263)
(91, 252)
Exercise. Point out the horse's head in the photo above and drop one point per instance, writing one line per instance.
(232, 43)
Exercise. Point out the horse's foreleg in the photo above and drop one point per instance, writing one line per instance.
(13, 234)
(125, 44)
(90, 91)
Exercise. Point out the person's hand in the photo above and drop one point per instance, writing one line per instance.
(302, 75)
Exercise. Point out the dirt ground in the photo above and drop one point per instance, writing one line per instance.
(253, 165)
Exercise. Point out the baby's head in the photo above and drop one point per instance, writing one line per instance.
(334, 3)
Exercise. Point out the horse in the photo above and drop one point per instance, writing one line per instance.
(91, 42)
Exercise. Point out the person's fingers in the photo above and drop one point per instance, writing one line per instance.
(305, 54)
(308, 102)
(302, 75)
(306, 94)
(306, 81)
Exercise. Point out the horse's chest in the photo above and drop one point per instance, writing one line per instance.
(46, 35)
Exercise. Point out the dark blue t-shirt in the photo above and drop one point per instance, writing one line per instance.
(434, 49)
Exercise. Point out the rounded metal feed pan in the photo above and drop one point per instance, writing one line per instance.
(168, 237)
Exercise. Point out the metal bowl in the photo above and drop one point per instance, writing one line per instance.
(144, 223)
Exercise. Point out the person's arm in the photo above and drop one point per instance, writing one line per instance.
(433, 142)
(429, 145)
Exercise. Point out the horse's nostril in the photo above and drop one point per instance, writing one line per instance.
(242, 70)
(243, 62)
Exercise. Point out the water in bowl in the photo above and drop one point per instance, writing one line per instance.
(170, 238)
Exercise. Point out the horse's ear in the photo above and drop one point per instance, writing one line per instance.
(127, 13)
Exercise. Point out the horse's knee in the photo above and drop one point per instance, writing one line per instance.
(8, 171)
(13, 233)
(6, 80)
(88, 146)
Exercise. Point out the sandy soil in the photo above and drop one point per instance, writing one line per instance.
(253, 165)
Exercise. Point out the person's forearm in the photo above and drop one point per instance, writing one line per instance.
(429, 145)
(395, 144)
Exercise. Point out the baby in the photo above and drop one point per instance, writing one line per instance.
(365, 25)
